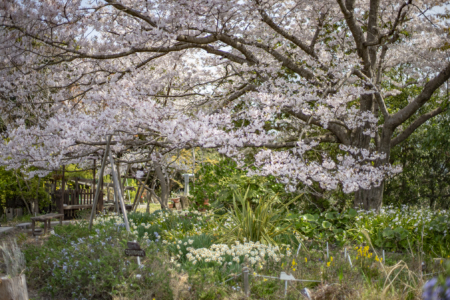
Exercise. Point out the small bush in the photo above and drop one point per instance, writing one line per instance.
(76, 262)
(265, 222)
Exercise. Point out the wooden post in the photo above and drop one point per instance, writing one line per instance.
(119, 178)
(63, 194)
(119, 194)
(100, 175)
(93, 181)
(116, 200)
(136, 198)
(77, 193)
(101, 196)
(149, 197)
(245, 281)
(53, 193)
(13, 288)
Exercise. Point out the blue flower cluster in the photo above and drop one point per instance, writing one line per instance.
(432, 290)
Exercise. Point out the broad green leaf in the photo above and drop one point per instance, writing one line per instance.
(326, 224)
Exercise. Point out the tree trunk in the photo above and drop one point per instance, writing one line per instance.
(373, 198)
(369, 199)
(164, 199)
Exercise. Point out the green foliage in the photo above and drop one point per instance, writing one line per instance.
(218, 180)
(424, 155)
(14, 185)
(329, 226)
(168, 225)
(264, 222)
(407, 229)
(179, 248)
(79, 263)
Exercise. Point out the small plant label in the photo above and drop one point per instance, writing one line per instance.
(133, 246)
(134, 250)
(284, 276)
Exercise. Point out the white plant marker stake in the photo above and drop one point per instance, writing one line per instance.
(328, 254)
(345, 252)
(138, 276)
(286, 277)
(138, 258)
(350, 261)
(299, 246)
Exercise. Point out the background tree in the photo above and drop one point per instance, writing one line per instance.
(425, 159)
(18, 189)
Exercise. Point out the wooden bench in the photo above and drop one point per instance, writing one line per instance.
(46, 219)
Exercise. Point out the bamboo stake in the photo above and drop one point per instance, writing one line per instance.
(119, 192)
(100, 175)
(140, 192)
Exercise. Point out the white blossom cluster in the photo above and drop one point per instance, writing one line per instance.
(254, 253)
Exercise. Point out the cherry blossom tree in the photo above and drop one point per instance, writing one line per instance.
(288, 77)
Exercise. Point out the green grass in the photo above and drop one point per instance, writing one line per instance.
(153, 207)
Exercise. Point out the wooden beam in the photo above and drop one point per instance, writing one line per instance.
(119, 192)
(100, 175)
(63, 188)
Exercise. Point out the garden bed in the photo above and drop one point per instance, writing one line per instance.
(187, 258)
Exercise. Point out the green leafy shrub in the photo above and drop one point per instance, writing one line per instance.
(170, 225)
(76, 262)
(329, 226)
(218, 181)
(407, 229)
(264, 222)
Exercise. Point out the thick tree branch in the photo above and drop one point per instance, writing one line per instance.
(378, 96)
(414, 125)
(125, 142)
(132, 12)
(400, 17)
(288, 63)
(357, 33)
(290, 37)
(335, 126)
(431, 86)
(326, 138)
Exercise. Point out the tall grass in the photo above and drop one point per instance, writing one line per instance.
(266, 222)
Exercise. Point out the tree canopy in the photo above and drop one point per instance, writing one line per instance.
(287, 79)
